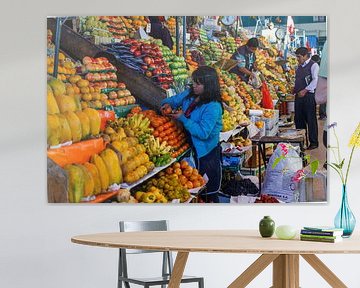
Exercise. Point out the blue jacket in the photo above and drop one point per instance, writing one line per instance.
(204, 124)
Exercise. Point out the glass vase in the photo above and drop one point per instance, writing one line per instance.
(345, 219)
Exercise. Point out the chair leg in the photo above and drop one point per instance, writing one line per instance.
(201, 283)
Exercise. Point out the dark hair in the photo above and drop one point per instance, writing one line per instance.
(208, 77)
(302, 51)
(253, 42)
(316, 58)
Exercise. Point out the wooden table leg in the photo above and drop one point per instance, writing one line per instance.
(323, 270)
(253, 270)
(178, 269)
(286, 271)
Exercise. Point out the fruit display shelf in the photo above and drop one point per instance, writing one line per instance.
(147, 176)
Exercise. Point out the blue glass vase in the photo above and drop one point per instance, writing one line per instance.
(345, 219)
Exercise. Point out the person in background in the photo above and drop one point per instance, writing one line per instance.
(159, 31)
(306, 78)
(322, 107)
(245, 55)
(201, 116)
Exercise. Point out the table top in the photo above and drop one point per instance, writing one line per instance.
(216, 241)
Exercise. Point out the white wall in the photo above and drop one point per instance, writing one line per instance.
(35, 248)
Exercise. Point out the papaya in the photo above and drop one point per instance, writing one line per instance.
(77, 100)
(53, 130)
(112, 164)
(75, 126)
(103, 172)
(66, 103)
(95, 120)
(76, 183)
(57, 86)
(52, 106)
(95, 174)
(85, 123)
(88, 181)
(65, 134)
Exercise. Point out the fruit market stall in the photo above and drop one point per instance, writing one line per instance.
(113, 150)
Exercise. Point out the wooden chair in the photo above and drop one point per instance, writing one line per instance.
(163, 280)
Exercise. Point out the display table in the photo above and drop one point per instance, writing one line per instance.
(284, 254)
(260, 141)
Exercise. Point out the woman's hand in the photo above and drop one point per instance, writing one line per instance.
(166, 109)
(176, 115)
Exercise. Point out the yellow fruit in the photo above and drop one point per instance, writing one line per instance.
(86, 97)
(75, 126)
(120, 145)
(82, 83)
(88, 181)
(66, 103)
(75, 183)
(61, 56)
(84, 90)
(57, 86)
(53, 130)
(85, 123)
(103, 172)
(70, 89)
(52, 107)
(77, 100)
(95, 175)
(74, 78)
(111, 161)
(65, 134)
(84, 105)
(95, 120)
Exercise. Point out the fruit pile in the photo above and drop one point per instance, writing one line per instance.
(135, 163)
(194, 33)
(203, 36)
(192, 65)
(211, 51)
(123, 27)
(92, 26)
(168, 185)
(167, 130)
(171, 25)
(229, 44)
(189, 177)
(159, 153)
(178, 68)
(239, 141)
(145, 57)
(66, 121)
(250, 95)
(66, 67)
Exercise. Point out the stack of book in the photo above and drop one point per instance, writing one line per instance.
(321, 234)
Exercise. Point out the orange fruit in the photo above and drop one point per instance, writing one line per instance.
(178, 171)
(176, 165)
(189, 185)
(196, 183)
(184, 164)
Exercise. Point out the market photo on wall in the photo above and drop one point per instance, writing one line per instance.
(187, 109)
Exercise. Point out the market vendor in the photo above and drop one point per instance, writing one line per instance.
(201, 116)
(159, 31)
(306, 78)
(245, 55)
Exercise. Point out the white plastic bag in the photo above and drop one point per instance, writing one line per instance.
(279, 180)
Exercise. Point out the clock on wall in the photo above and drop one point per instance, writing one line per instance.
(228, 20)
(280, 33)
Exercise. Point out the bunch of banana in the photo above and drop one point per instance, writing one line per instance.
(154, 148)
(139, 124)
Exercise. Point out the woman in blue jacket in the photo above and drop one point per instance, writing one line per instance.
(201, 115)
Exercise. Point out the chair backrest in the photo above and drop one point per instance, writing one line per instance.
(134, 226)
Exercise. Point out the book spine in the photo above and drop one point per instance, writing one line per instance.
(317, 239)
(319, 236)
(320, 233)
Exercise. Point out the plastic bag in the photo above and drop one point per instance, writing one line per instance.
(266, 101)
(255, 80)
(279, 180)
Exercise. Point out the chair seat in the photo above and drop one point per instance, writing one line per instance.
(158, 280)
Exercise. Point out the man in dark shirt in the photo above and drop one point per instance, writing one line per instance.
(159, 31)
(245, 55)
(306, 78)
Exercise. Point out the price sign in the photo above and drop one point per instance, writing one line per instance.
(148, 28)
